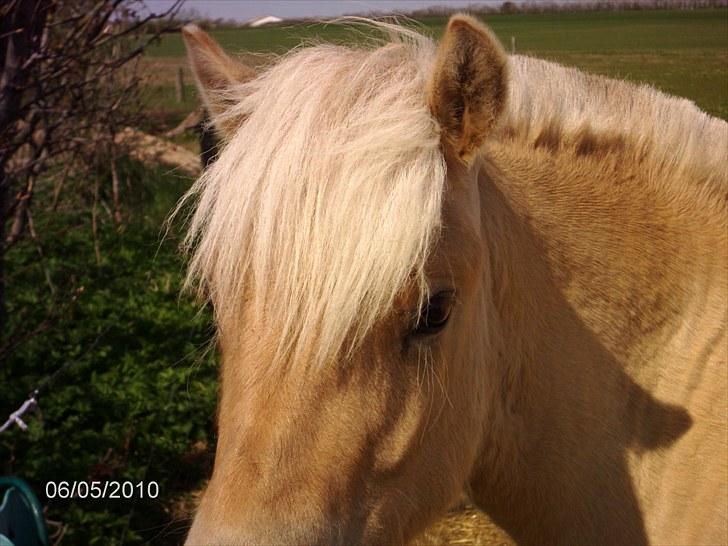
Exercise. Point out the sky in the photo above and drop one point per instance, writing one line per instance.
(242, 10)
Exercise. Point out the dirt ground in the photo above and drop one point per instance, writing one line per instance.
(154, 151)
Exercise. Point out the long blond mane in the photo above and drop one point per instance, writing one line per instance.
(325, 202)
(683, 149)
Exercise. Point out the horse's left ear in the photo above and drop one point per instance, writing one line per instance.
(215, 73)
(468, 88)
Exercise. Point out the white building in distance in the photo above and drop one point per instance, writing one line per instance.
(262, 21)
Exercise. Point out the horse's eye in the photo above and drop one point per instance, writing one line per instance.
(434, 315)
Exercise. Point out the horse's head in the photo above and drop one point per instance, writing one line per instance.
(338, 237)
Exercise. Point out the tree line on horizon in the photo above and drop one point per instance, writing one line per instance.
(187, 15)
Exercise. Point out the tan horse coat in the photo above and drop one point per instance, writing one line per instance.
(617, 209)
(580, 387)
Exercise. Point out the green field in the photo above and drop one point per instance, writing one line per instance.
(684, 53)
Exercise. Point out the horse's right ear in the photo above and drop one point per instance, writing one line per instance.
(467, 92)
(215, 73)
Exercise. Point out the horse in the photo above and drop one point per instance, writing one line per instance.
(435, 268)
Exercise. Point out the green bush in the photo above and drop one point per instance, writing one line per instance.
(137, 400)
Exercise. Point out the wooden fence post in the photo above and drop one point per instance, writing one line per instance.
(180, 85)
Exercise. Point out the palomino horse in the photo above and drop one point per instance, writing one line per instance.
(438, 268)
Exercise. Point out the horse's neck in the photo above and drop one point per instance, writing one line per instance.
(627, 254)
(591, 272)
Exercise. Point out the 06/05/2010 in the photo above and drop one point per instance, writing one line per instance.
(101, 490)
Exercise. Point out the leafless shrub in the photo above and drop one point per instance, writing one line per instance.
(68, 87)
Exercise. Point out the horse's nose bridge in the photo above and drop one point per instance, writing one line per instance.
(257, 525)
(289, 466)
(274, 497)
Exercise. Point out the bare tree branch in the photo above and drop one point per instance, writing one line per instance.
(68, 86)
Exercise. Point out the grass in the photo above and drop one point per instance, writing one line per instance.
(684, 53)
(137, 398)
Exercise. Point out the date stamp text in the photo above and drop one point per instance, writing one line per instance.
(101, 489)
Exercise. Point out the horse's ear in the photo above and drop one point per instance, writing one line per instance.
(215, 73)
(467, 90)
